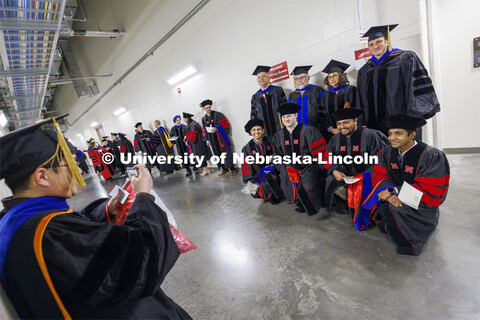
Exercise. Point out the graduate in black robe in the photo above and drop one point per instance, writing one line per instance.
(81, 159)
(424, 168)
(179, 131)
(393, 81)
(126, 148)
(161, 140)
(301, 183)
(307, 96)
(218, 137)
(193, 139)
(351, 141)
(57, 263)
(263, 175)
(266, 101)
(143, 143)
(116, 152)
(338, 95)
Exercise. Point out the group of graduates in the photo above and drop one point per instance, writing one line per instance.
(394, 97)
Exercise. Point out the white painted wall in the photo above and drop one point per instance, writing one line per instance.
(226, 40)
(459, 82)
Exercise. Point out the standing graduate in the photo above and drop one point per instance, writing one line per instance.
(126, 148)
(307, 96)
(143, 144)
(351, 141)
(161, 140)
(81, 160)
(266, 101)
(215, 132)
(56, 263)
(179, 131)
(301, 183)
(193, 139)
(116, 152)
(393, 81)
(339, 94)
(419, 165)
(263, 175)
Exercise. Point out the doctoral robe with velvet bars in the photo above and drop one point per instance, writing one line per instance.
(426, 169)
(98, 270)
(397, 83)
(303, 182)
(220, 143)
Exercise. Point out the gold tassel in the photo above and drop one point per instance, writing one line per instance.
(389, 40)
(68, 156)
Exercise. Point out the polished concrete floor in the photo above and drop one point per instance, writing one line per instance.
(258, 261)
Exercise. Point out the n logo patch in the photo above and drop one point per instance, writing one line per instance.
(394, 165)
(343, 148)
(355, 148)
(408, 169)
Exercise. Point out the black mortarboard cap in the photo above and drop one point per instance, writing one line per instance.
(402, 121)
(207, 102)
(187, 115)
(335, 66)
(113, 133)
(347, 113)
(122, 135)
(138, 124)
(25, 149)
(253, 123)
(90, 140)
(379, 31)
(301, 69)
(260, 69)
(288, 108)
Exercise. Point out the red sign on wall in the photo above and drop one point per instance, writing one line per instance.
(279, 72)
(361, 57)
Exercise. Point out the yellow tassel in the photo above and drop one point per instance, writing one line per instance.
(68, 156)
(294, 83)
(389, 40)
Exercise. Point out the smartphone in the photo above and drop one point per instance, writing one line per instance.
(131, 172)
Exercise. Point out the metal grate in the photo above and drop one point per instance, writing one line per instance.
(29, 32)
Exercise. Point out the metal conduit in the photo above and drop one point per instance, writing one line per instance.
(146, 55)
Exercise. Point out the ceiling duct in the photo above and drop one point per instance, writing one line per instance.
(82, 87)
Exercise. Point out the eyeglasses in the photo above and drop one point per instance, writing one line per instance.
(332, 76)
(300, 78)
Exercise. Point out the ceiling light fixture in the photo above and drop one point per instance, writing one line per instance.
(119, 111)
(182, 74)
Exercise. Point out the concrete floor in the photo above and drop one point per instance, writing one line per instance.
(258, 261)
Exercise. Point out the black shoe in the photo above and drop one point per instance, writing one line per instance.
(275, 201)
(342, 207)
(188, 174)
(300, 209)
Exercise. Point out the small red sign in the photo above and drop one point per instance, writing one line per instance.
(361, 57)
(279, 72)
(179, 90)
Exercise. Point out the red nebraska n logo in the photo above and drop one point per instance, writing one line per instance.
(394, 165)
(287, 143)
(343, 148)
(295, 141)
(355, 148)
(408, 169)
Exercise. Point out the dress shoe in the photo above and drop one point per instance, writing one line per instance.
(188, 174)
(224, 172)
(233, 174)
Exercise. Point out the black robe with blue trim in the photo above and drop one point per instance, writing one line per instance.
(264, 106)
(399, 84)
(312, 112)
(217, 142)
(426, 169)
(100, 270)
(182, 148)
(334, 99)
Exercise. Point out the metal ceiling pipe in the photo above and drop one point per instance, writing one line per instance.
(146, 55)
(86, 33)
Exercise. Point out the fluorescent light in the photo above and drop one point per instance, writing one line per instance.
(94, 124)
(119, 111)
(188, 71)
(79, 135)
(3, 119)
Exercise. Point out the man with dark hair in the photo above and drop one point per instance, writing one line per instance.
(56, 263)
(179, 131)
(197, 146)
(339, 93)
(393, 81)
(266, 101)
(302, 183)
(408, 163)
(215, 133)
(81, 159)
(351, 141)
(307, 96)
(263, 176)
(125, 147)
(143, 144)
(116, 152)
